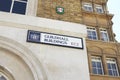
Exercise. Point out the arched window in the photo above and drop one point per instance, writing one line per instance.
(13, 6)
(3, 77)
(5, 74)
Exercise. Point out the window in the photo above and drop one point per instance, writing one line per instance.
(97, 67)
(2, 77)
(87, 7)
(13, 6)
(104, 35)
(112, 67)
(91, 33)
(98, 9)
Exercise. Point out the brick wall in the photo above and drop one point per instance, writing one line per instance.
(72, 10)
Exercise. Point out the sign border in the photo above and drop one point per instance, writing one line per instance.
(55, 44)
(59, 12)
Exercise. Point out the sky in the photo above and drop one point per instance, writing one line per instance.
(114, 8)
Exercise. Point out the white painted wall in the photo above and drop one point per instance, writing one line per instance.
(43, 23)
(60, 63)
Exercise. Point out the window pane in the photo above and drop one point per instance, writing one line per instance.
(113, 66)
(99, 9)
(5, 5)
(98, 64)
(89, 32)
(23, 0)
(19, 7)
(110, 72)
(99, 71)
(93, 64)
(105, 35)
(94, 38)
(109, 67)
(2, 78)
(94, 33)
(115, 73)
(94, 70)
(89, 37)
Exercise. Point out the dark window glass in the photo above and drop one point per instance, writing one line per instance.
(93, 64)
(98, 64)
(94, 38)
(94, 33)
(99, 71)
(110, 72)
(113, 66)
(23, 0)
(115, 73)
(5, 5)
(109, 67)
(2, 78)
(19, 7)
(94, 70)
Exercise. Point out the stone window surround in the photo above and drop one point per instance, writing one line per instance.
(93, 29)
(111, 61)
(97, 59)
(31, 9)
(6, 73)
(4, 76)
(103, 59)
(93, 7)
(103, 30)
(98, 7)
(87, 6)
(98, 30)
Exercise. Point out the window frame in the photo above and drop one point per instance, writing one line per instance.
(105, 32)
(87, 6)
(112, 61)
(12, 6)
(2, 74)
(99, 8)
(97, 59)
(92, 29)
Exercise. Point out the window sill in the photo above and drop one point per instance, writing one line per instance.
(94, 13)
(100, 41)
(104, 75)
